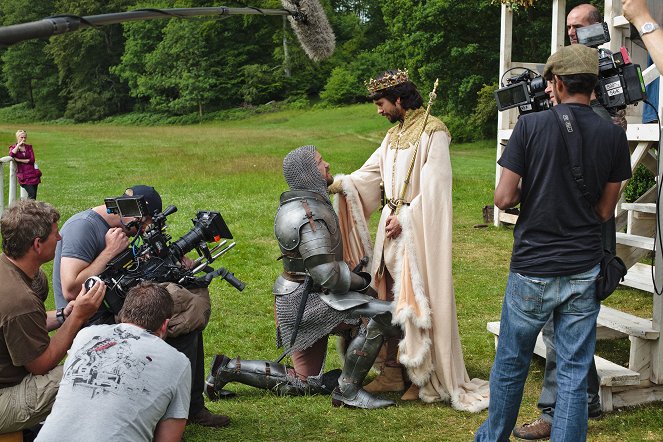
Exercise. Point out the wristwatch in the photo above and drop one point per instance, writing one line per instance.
(59, 316)
(648, 28)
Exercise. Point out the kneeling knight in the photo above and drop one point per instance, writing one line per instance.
(317, 294)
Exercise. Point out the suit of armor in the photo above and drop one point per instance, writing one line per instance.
(314, 273)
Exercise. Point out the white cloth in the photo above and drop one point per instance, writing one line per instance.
(419, 260)
(119, 381)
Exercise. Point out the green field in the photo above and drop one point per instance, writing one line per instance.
(235, 168)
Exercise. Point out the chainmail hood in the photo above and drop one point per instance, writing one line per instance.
(301, 172)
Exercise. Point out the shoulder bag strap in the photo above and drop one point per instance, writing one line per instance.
(573, 143)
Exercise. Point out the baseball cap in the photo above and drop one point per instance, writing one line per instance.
(573, 59)
(151, 196)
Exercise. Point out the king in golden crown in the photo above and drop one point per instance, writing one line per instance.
(389, 79)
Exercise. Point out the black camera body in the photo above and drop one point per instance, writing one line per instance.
(153, 257)
(620, 81)
(526, 91)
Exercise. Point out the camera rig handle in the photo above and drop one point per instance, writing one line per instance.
(225, 274)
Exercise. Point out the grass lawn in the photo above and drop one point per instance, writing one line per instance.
(235, 168)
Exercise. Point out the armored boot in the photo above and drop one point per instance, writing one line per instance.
(211, 393)
(358, 361)
(269, 375)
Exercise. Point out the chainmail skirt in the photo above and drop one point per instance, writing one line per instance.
(317, 321)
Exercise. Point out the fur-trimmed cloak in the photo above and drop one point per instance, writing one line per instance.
(419, 260)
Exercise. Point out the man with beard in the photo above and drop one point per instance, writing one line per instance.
(411, 263)
(29, 357)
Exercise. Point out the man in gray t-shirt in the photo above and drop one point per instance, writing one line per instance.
(90, 240)
(122, 382)
(86, 240)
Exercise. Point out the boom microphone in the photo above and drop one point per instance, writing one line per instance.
(306, 17)
(311, 27)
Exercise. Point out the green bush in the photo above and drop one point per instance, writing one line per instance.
(481, 124)
(89, 106)
(19, 113)
(343, 87)
(641, 182)
(484, 118)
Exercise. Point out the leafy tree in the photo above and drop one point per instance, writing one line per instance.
(84, 60)
(199, 64)
(29, 75)
(261, 84)
(141, 38)
(444, 39)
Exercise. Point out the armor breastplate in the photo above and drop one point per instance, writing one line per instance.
(297, 209)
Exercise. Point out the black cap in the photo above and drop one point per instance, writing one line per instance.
(152, 197)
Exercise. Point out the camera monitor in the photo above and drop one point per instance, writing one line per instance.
(512, 96)
(127, 206)
(593, 35)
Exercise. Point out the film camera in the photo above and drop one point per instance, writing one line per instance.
(526, 91)
(152, 256)
(620, 81)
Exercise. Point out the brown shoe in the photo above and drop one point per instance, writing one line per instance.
(537, 430)
(389, 379)
(412, 393)
(208, 419)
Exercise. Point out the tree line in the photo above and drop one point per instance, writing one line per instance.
(201, 65)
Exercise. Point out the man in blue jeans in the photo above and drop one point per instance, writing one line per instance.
(557, 246)
(580, 16)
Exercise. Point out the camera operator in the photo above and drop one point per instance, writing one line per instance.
(90, 240)
(581, 15)
(557, 246)
(29, 358)
(637, 12)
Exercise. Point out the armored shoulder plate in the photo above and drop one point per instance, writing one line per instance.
(297, 209)
(284, 287)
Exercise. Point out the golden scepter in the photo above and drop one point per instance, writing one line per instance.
(431, 98)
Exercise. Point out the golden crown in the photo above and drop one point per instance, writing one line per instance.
(389, 80)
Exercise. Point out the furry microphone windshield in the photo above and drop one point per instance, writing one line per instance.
(307, 17)
(311, 27)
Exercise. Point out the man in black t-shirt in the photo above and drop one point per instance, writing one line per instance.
(557, 246)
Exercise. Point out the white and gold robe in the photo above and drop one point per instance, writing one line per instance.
(419, 260)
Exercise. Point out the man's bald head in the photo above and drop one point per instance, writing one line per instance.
(580, 16)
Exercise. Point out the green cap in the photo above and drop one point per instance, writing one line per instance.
(570, 60)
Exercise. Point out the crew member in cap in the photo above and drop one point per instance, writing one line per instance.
(411, 262)
(90, 240)
(557, 246)
(539, 429)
